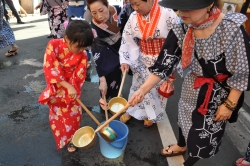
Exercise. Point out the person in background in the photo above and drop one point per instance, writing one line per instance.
(65, 66)
(142, 39)
(6, 34)
(105, 53)
(19, 8)
(213, 49)
(246, 160)
(57, 14)
(14, 11)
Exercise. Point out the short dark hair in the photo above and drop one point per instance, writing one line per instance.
(79, 31)
(104, 2)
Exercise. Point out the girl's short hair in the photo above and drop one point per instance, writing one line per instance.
(79, 31)
(104, 2)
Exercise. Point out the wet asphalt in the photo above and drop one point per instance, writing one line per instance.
(25, 134)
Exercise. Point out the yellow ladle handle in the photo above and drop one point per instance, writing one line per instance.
(120, 90)
(90, 114)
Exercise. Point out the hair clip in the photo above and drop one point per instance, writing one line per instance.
(77, 18)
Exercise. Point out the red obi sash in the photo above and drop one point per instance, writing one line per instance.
(199, 81)
(151, 47)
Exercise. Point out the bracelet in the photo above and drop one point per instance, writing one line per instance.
(233, 104)
(228, 106)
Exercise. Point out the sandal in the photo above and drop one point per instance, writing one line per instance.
(71, 147)
(148, 123)
(124, 119)
(11, 53)
(173, 153)
(239, 162)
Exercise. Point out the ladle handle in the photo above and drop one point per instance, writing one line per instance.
(112, 118)
(106, 111)
(123, 78)
(90, 114)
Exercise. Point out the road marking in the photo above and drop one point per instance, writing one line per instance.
(36, 74)
(167, 138)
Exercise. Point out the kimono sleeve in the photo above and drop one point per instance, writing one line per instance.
(80, 74)
(168, 58)
(52, 69)
(238, 61)
(129, 50)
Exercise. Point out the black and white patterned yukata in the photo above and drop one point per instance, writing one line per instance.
(247, 156)
(6, 34)
(226, 51)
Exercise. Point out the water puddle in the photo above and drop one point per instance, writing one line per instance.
(25, 113)
(95, 109)
(35, 86)
(6, 64)
(92, 77)
(20, 115)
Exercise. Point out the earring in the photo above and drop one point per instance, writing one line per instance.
(208, 10)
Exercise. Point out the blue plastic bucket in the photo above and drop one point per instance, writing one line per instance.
(116, 148)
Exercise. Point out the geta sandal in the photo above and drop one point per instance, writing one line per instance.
(11, 52)
(71, 148)
(173, 153)
(239, 162)
(124, 119)
(147, 123)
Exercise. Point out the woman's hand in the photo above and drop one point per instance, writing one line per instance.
(223, 113)
(136, 98)
(72, 92)
(103, 87)
(124, 67)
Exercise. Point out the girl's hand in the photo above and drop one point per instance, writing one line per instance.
(223, 113)
(136, 98)
(124, 67)
(72, 92)
(103, 87)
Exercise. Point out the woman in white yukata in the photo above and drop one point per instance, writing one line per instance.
(142, 39)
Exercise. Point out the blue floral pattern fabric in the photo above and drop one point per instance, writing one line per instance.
(247, 156)
(6, 34)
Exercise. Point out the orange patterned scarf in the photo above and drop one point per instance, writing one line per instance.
(188, 42)
(147, 28)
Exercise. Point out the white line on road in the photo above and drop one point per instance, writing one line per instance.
(167, 138)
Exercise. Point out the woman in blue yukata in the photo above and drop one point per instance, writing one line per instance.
(105, 53)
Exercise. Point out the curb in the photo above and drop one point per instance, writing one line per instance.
(244, 118)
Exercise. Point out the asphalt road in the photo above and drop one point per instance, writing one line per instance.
(25, 135)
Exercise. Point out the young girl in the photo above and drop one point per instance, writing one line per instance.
(65, 65)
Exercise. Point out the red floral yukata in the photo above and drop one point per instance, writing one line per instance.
(60, 64)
